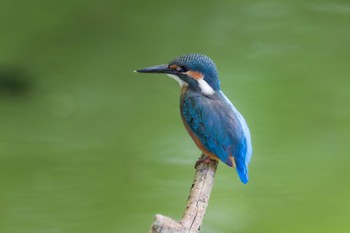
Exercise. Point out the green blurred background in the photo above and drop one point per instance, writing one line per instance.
(86, 145)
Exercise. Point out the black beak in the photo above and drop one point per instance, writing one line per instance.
(161, 69)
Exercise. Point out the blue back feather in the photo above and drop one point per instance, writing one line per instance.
(220, 127)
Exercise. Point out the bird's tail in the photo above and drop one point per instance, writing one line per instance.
(242, 173)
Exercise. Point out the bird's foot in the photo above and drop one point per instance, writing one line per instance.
(204, 159)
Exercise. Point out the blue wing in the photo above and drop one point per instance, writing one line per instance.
(220, 127)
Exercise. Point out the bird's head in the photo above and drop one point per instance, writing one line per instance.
(197, 72)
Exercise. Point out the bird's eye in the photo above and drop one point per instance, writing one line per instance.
(178, 68)
(183, 68)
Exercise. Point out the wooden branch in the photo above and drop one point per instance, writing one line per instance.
(197, 203)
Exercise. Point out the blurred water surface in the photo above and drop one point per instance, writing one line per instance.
(86, 145)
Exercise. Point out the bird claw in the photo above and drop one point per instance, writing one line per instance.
(204, 159)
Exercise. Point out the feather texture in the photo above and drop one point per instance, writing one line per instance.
(219, 127)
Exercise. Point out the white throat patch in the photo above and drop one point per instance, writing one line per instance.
(203, 85)
(182, 83)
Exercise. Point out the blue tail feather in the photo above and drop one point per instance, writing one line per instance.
(243, 174)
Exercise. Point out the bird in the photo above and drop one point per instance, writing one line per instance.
(213, 122)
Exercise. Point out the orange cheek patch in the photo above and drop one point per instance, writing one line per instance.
(195, 75)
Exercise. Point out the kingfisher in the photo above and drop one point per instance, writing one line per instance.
(212, 121)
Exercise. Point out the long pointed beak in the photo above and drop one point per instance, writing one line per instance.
(160, 69)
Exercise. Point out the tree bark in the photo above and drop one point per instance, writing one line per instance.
(197, 202)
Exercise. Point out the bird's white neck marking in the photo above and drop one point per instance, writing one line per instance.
(182, 83)
(205, 87)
